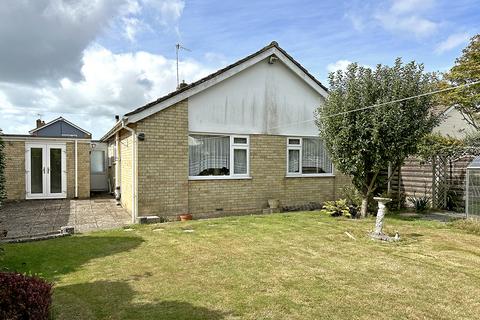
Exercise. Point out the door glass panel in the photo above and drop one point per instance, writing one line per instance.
(97, 161)
(55, 170)
(36, 174)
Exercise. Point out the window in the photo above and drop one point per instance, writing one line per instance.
(308, 156)
(97, 161)
(213, 156)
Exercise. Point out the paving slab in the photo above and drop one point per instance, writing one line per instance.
(32, 217)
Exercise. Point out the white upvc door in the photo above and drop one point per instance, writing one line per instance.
(46, 171)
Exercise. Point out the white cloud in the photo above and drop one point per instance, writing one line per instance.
(112, 84)
(338, 65)
(416, 25)
(406, 16)
(166, 13)
(132, 26)
(405, 6)
(453, 41)
(44, 39)
(357, 21)
(341, 65)
(169, 12)
(62, 71)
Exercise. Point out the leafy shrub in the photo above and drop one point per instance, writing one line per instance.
(421, 204)
(24, 297)
(434, 144)
(351, 194)
(336, 208)
(455, 200)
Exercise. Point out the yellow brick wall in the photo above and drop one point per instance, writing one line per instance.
(126, 146)
(268, 181)
(163, 165)
(83, 169)
(164, 188)
(15, 169)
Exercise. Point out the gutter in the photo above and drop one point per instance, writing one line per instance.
(134, 153)
(116, 127)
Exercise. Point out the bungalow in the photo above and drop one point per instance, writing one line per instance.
(226, 144)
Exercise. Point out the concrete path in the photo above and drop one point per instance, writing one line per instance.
(38, 217)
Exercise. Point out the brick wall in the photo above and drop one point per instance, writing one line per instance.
(126, 146)
(83, 169)
(163, 165)
(164, 188)
(268, 181)
(15, 169)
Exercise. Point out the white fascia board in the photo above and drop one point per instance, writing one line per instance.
(299, 72)
(45, 125)
(75, 126)
(49, 139)
(225, 75)
(116, 127)
(56, 120)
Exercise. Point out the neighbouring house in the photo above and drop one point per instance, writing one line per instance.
(453, 124)
(51, 162)
(227, 143)
(443, 179)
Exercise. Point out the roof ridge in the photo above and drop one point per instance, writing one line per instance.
(273, 44)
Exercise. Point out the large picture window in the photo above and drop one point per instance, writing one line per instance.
(308, 156)
(218, 156)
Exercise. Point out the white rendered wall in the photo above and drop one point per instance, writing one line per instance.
(263, 99)
(454, 125)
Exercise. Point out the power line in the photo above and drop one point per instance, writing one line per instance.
(359, 109)
(380, 104)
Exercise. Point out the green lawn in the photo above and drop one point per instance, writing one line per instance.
(281, 266)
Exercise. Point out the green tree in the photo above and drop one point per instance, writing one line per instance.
(362, 143)
(466, 70)
(3, 191)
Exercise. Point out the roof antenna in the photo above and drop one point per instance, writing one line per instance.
(178, 46)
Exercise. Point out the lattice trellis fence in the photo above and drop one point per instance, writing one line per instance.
(440, 181)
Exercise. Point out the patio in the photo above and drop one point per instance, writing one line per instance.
(30, 218)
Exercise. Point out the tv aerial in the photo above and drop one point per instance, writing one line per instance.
(179, 47)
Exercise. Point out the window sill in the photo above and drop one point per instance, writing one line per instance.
(319, 175)
(194, 178)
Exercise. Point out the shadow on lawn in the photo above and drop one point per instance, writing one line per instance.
(115, 300)
(404, 216)
(53, 258)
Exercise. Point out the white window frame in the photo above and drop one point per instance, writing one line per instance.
(294, 147)
(300, 173)
(233, 146)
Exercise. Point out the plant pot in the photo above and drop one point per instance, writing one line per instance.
(186, 217)
(273, 203)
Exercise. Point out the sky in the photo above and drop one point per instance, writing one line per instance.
(88, 60)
